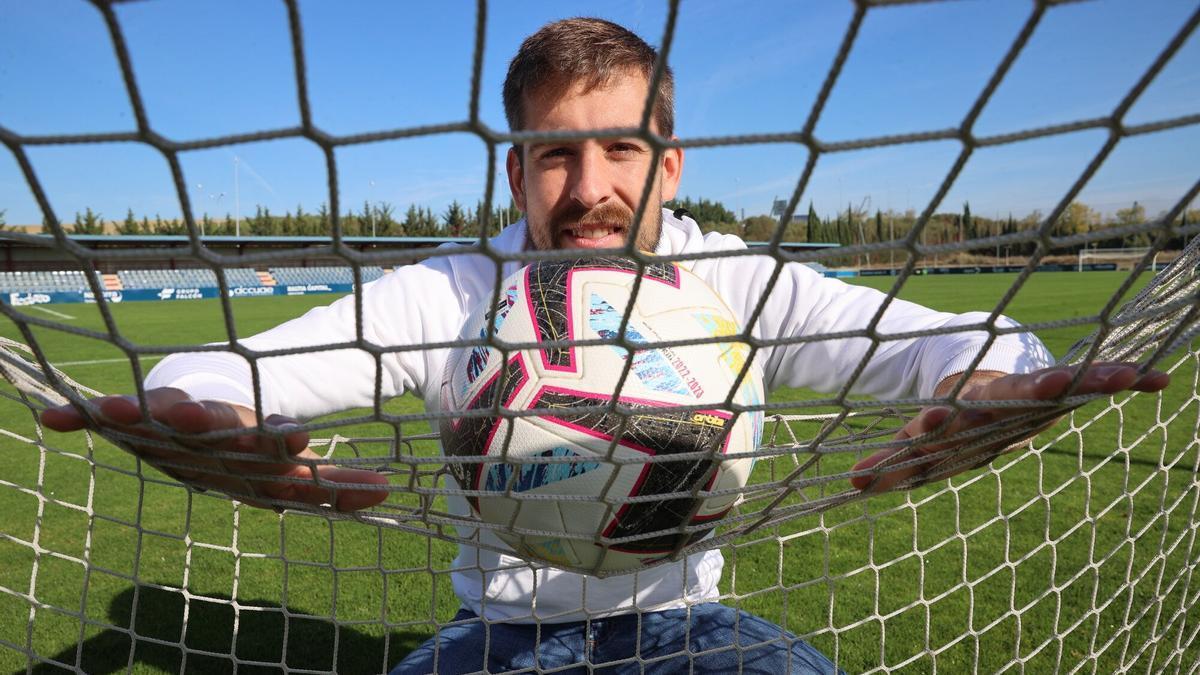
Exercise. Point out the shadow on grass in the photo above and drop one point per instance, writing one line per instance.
(1152, 463)
(267, 636)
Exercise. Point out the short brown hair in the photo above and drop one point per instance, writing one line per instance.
(589, 50)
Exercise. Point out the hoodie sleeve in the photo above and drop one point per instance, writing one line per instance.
(412, 306)
(822, 328)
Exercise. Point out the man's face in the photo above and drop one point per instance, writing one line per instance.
(583, 194)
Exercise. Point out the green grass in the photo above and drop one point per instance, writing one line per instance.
(1080, 553)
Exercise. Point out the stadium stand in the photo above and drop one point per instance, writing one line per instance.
(50, 281)
(295, 276)
(187, 278)
(43, 281)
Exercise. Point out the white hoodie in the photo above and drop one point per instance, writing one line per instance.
(428, 302)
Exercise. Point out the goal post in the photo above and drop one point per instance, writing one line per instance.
(1126, 255)
(1075, 552)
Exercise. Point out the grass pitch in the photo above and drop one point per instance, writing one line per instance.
(1078, 555)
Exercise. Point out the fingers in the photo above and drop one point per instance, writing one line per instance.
(1044, 385)
(307, 489)
(198, 417)
(295, 439)
(926, 422)
(113, 410)
(1052, 383)
(1152, 381)
(253, 480)
(63, 418)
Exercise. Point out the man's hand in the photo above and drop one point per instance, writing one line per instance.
(178, 411)
(1043, 385)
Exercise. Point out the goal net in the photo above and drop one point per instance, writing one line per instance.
(1074, 552)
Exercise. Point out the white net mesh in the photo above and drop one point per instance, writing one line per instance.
(1076, 554)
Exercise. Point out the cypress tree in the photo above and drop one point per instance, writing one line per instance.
(129, 225)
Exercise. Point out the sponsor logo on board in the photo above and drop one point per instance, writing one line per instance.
(26, 299)
(110, 296)
(251, 290)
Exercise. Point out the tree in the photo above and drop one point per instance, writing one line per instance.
(1031, 222)
(455, 219)
(323, 220)
(812, 225)
(967, 224)
(430, 222)
(1077, 218)
(493, 219)
(88, 222)
(368, 223)
(170, 226)
(351, 224)
(760, 228)
(301, 225)
(286, 225)
(412, 221)
(1134, 215)
(386, 220)
(261, 224)
(710, 215)
(1180, 240)
(129, 225)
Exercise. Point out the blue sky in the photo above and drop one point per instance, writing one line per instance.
(220, 67)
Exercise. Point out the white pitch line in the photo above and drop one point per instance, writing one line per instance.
(51, 312)
(96, 362)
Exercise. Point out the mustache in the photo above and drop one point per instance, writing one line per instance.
(608, 213)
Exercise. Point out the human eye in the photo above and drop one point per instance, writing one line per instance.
(554, 152)
(625, 148)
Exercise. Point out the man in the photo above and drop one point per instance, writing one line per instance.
(585, 74)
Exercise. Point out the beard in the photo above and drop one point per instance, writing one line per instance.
(551, 235)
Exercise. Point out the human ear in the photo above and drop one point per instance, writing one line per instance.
(516, 177)
(671, 166)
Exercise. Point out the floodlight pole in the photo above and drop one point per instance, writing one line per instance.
(218, 198)
(892, 236)
(371, 184)
(200, 187)
(862, 235)
(997, 221)
(237, 201)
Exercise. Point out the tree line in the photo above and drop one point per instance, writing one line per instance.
(847, 227)
(855, 226)
(373, 219)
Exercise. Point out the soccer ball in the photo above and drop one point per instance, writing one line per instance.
(577, 486)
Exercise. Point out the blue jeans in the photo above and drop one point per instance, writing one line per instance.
(701, 639)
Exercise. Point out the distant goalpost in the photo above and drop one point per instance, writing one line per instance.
(1130, 256)
(1078, 553)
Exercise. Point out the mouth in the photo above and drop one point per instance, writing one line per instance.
(593, 235)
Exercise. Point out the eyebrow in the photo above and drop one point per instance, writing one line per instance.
(534, 147)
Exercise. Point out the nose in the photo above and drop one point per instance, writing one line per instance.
(590, 183)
